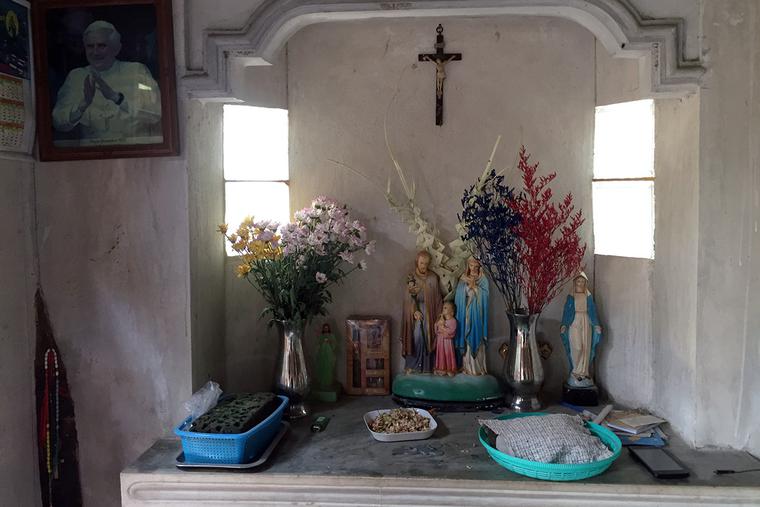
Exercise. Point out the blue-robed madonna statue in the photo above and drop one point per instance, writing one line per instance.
(471, 300)
(580, 332)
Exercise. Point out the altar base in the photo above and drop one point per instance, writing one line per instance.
(457, 393)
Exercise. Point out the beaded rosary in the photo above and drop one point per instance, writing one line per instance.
(50, 425)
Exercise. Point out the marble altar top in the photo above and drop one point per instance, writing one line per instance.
(345, 454)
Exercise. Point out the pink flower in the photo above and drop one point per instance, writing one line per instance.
(265, 235)
(321, 277)
(347, 256)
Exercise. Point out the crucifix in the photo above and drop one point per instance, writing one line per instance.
(440, 59)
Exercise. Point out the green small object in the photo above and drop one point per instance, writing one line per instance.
(319, 424)
(459, 388)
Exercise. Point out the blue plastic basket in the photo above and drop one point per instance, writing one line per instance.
(553, 471)
(229, 449)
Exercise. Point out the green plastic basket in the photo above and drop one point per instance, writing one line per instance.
(552, 471)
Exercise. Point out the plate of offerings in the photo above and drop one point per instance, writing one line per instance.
(400, 424)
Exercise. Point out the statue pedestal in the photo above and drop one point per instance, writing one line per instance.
(581, 396)
(460, 392)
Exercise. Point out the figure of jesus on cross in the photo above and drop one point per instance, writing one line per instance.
(440, 59)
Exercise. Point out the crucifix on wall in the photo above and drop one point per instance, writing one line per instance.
(440, 59)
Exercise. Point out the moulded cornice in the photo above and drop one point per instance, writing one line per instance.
(617, 24)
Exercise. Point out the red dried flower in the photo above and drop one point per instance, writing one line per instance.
(550, 249)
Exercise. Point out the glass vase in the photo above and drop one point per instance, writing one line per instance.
(524, 372)
(293, 378)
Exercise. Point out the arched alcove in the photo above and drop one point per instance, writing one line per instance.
(617, 24)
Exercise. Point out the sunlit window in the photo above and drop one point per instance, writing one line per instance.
(623, 183)
(255, 164)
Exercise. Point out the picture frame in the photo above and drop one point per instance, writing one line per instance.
(105, 79)
(368, 368)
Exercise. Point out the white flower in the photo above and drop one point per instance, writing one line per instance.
(321, 277)
(363, 265)
(370, 248)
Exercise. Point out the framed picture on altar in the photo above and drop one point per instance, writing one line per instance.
(368, 355)
(105, 79)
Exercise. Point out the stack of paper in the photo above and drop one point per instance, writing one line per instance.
(631, 426)
(636, 428)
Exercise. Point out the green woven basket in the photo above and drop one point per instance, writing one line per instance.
(552, 471)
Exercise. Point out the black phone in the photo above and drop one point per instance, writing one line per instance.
(659, 462)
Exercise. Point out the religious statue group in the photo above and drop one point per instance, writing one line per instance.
(440, 336)
(446, 336)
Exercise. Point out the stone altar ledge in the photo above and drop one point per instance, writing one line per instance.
(344, 466)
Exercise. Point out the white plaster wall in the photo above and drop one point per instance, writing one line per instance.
(206, 207)
(623, 294)
(528, 79)
(113, 247)
(620, 79)
(728, 344)
(19, 479)
(675, 266)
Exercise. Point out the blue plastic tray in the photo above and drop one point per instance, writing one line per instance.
(554, 471)
(235, 448)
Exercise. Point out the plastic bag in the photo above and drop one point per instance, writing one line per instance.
(203, 400)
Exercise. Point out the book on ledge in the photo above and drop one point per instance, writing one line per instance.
(634, 424)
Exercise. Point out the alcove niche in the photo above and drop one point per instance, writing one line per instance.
(531, 74)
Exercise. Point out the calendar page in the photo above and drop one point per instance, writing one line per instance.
(16, 111)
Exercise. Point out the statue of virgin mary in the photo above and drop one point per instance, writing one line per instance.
(471, 299)
(580, 332)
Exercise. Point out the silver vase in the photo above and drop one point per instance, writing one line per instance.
(292, 376)
(523, 370)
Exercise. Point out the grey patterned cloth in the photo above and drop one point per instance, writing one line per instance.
(555, 438)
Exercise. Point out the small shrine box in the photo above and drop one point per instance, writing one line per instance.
(368, 355)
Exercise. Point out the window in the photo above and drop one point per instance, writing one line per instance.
(255, 165)
(623, 183)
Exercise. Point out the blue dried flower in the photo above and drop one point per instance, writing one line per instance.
(489, 222)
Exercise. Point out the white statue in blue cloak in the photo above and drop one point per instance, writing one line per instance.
(580, 332)
(471, 299)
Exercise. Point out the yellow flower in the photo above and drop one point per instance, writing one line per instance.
(233, 237)
(239, 245)
(242, 232)
(247, 222)
(243, 270)
(223, 228)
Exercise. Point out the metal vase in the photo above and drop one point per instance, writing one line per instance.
(523, 370)
(293, 378)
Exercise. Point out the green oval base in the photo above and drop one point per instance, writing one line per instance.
(459, 388)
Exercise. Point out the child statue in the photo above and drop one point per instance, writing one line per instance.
(581, 333)
(422, 306)
(325, 388)
(471, 300)
(445, 331)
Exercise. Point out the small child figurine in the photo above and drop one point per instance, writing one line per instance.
(445, 331)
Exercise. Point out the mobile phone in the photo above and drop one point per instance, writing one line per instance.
(659, 462)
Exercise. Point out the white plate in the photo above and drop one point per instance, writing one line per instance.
(400, 437)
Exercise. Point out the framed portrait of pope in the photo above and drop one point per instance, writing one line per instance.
(105, 79)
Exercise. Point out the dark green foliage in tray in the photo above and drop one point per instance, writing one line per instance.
(236, 413)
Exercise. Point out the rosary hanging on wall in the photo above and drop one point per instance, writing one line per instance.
(56, 426)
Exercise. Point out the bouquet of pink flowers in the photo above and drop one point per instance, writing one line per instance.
(293, 266)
